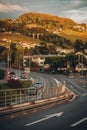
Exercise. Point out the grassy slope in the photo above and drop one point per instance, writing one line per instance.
(73, 35)
(69, 34)
(18, 38)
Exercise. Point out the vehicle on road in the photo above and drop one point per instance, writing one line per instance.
(38, 84)
(24, 75)
(15, 77)
(11, 75)
(32, 91)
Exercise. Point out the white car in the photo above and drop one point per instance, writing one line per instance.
(38, 84)
(15, 77)
(24, 75)
(32, 91)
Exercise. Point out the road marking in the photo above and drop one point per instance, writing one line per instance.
(79, 122)
(57, 81)
(84, 94)
(71, 86)
(84, 86)
(47, 117)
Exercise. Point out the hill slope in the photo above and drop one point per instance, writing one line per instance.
(34, 23)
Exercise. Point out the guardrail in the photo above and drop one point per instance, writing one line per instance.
(16, 102)
(34, 106)
(10, 97)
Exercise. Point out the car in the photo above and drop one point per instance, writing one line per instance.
(32, 91)
(9, 74)
(24, 75)
(15, 77)
(8, 77)
(38, 84)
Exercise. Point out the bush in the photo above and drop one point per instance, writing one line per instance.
(14, 84)
(26, 84)
(2, 74)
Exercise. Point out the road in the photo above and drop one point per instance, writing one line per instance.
(71, 116)
(47, 82)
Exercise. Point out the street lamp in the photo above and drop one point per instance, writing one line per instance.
(8, 63)
(18, 60)
(26, 64)
(82, 63)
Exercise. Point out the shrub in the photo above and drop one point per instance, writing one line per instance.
(14, 84)
(2, 74)
(26, 84)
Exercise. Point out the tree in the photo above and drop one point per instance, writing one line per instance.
(52, 49)
(36, 50)
(13, 51)
(3, 53)
(79, 45)
(2, 74)
(71, 59)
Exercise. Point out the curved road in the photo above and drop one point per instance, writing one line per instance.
(66, 116)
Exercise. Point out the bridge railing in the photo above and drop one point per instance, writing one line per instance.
(10, 97)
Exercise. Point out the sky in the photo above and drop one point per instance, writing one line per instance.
(73, 9)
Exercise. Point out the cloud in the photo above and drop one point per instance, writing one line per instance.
(77, 15)
(10, 8)
(74, 9)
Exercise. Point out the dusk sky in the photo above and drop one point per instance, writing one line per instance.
(73, 9)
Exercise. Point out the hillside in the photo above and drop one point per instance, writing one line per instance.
(74, 35)
(44, 27)
(22, 40)
(45, 20)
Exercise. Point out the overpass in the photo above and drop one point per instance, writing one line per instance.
(40, 59)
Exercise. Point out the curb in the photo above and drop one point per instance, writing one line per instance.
(29, 108)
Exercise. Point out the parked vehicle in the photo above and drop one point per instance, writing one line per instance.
(24, 75)
(15, 77)
(11, 75)
(32, 91)
(8, 77)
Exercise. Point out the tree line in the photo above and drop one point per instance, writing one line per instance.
(16, 53)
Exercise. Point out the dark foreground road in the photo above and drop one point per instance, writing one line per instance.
(66, 116)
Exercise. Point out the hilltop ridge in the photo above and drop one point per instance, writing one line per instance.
(33, 23)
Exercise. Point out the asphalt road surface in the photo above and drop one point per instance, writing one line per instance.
(66, 116)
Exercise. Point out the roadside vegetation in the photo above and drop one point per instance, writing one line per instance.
(16, 84)
(2, 74)
(12, 83)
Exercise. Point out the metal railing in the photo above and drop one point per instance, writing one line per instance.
(9, 97)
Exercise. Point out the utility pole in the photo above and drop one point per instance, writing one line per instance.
(19, 64)
(82, 63)
(8, 64)
(26, 64)
(18, 61)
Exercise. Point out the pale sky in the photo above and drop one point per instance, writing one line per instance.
(73, 9)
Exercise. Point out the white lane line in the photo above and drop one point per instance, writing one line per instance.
(47, 117)
(79, 122)
(57, 82)
(84, 94)
(71, 86)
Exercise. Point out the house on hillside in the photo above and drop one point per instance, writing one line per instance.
(79, 28)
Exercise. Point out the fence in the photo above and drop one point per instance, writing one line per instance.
(10, 97)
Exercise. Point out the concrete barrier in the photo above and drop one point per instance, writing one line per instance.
(21, 109)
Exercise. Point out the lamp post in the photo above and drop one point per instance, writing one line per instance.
(26, 64)
(18, 60)
(82, 63)
(8, 64)
(19, 64)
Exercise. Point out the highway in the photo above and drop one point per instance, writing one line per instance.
(71, 115)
